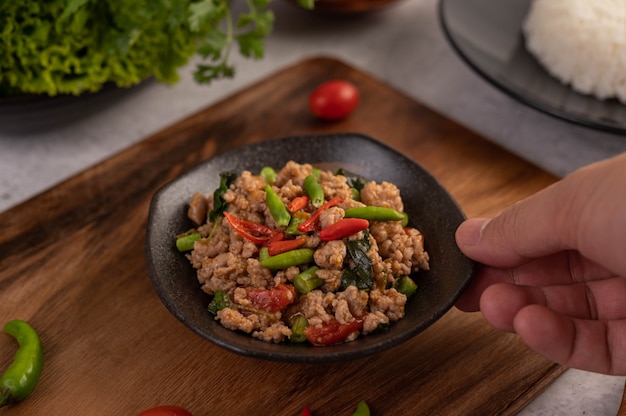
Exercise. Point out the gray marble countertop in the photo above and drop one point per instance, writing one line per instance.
(403, 46)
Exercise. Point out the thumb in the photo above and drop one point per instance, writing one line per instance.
(535, 227)
(582, 212)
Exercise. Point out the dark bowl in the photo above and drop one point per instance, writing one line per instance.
(429, 206)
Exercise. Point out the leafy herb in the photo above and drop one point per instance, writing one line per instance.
(361, 274)
(219, 204)
(354, 181)
(248, 31)
(75, 46)
(221, 300)
(307, 4)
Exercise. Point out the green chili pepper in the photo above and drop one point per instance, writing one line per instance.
(405, 285)
(185, 242)
(307, 280)
(317, 172)
(314, 190)
(362, 409)
(21, 377)
(277, 207)
(289, 258)
(404, 221)
(292, 228)
(373, 213)
(297, 329)
(264, 253)
(269, 174)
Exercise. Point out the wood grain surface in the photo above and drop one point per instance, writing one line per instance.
(72, 264)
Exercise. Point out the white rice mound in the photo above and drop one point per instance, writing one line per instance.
(582, 43)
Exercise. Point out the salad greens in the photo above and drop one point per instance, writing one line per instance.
(74, 46)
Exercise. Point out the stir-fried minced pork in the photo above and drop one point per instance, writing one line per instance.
(331, 255)
(263, 276)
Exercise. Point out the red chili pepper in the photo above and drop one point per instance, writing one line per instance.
(298, 203)
(277, 247)
(278, 236)
(311, 224)
(257, 233)
(306, 412)
(343, 228)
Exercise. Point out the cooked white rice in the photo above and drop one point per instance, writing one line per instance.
(582, 43)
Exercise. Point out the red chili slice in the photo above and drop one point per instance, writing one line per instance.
(298, 203)
(332, 332)
(257, 233)
(277, 247)
(343, 228)
(311, 223)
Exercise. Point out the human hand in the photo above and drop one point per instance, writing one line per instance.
(553, 269)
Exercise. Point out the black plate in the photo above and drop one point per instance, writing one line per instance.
(430, 208)
(33, 114)
(488, 36)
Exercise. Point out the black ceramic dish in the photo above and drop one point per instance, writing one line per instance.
(32, 114)
(430, 209)
(488, 36)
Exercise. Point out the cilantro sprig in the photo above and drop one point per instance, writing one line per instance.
(247, 30)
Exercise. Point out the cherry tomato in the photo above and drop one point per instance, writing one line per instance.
(165, 411)
(306, 412)
(331, 332)
(274, 299)
(334, 100)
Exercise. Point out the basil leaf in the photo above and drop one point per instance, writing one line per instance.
(219, 205)
(361, 275)
(220, 301)
(354, 181)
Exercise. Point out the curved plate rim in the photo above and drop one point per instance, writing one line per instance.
(525, 99)
(334, 353)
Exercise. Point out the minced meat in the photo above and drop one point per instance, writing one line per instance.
(263, 302)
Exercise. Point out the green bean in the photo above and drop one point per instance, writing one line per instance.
(362, 409)
(297, 329)
(406, 286)
(185, 242)
(289, 258)
(373, 213)
(269, 174)
(314, 190)
(21, 377)
(277, 207)
(307, 280)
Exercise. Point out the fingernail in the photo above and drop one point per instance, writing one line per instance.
(470, 231)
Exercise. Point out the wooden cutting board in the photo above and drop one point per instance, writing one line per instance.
(72, 264)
